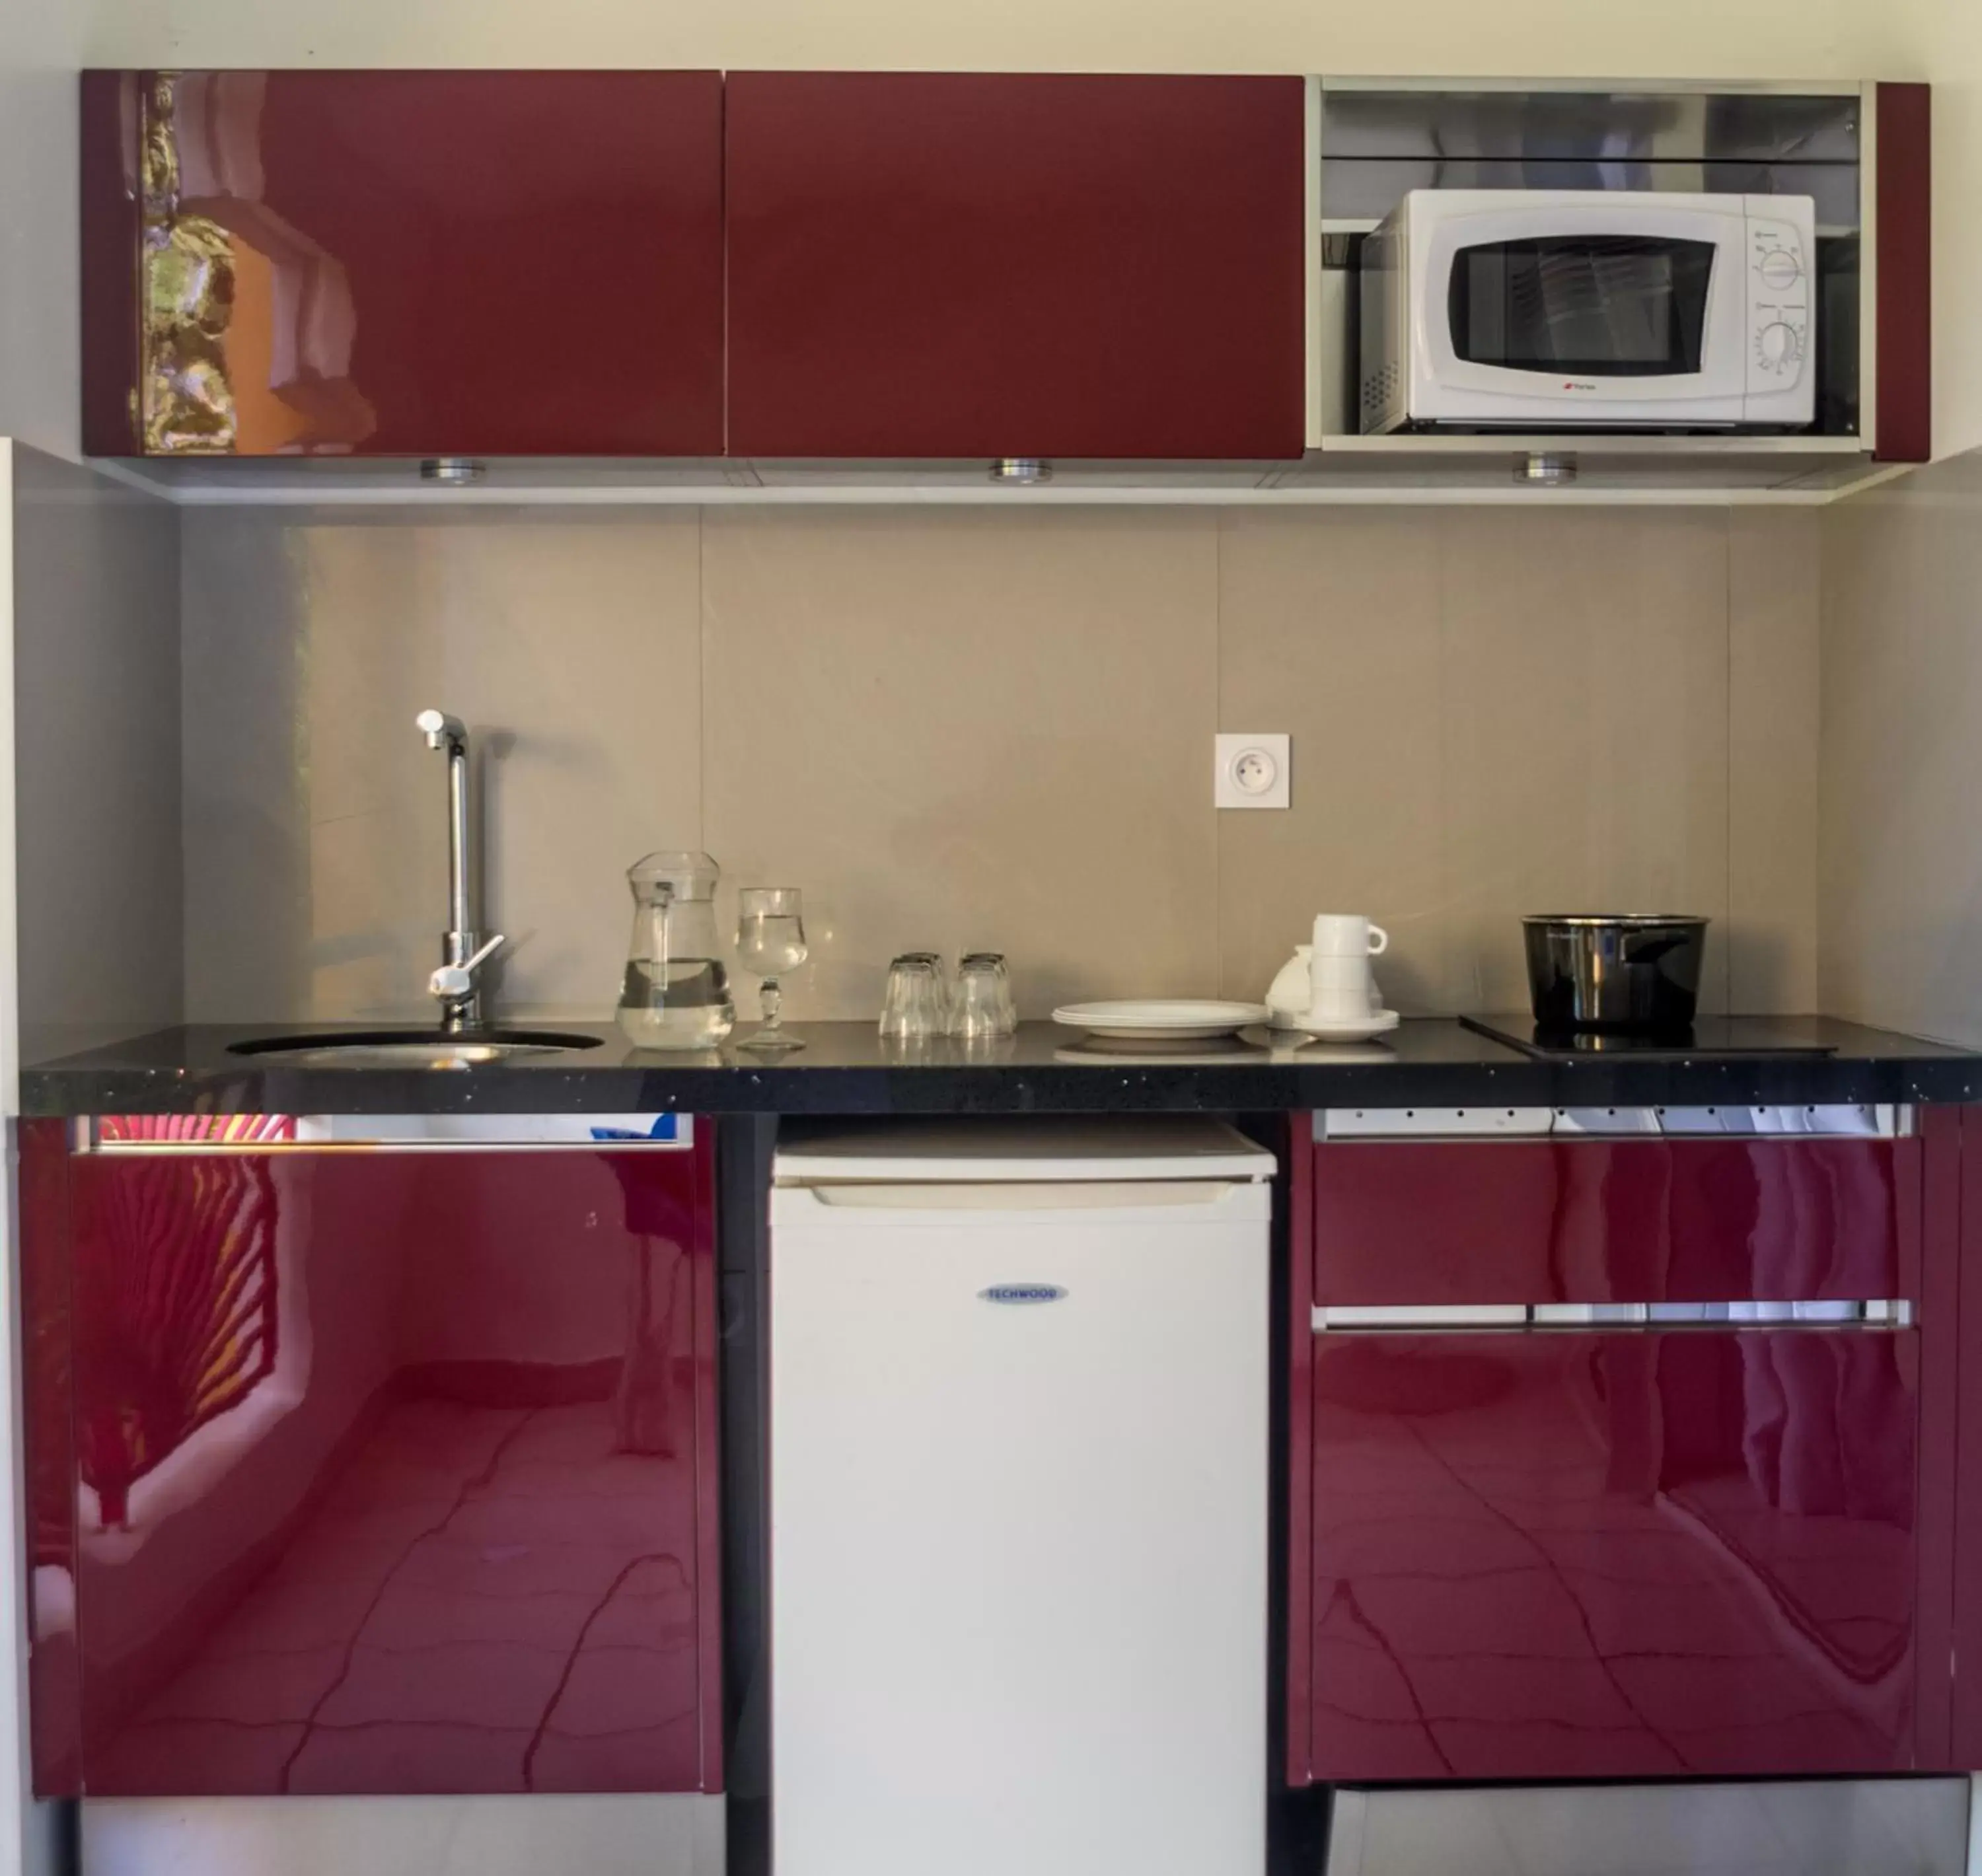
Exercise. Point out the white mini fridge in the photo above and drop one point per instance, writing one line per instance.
(1018, 1478)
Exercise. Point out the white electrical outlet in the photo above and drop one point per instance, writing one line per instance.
(1252, 771)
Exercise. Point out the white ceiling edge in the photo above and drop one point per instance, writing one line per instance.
(1593, 491)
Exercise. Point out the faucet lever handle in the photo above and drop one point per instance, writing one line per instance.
(452, 983)
(441, 729)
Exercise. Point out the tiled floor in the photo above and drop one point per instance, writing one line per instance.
(1867, 1829)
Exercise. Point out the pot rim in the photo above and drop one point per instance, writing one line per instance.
(1631, 920)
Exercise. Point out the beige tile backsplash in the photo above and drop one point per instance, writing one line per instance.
(1775, 617)
(316, 824)
(970, 730)
(961, 727)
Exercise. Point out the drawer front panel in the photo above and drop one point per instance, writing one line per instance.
(1456, 1222)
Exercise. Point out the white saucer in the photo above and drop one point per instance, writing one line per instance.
(1160, 1019)
(1339, 1028)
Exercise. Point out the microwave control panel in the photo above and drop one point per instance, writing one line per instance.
(1779, 254)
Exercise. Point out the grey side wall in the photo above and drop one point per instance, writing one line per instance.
(100, 853)
(1901, 844)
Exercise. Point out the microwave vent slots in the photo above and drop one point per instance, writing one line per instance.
(1379, 388)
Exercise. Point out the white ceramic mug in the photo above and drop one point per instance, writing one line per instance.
(1343, 974)
(1341, 989)
(1342, 1006)
(1348, 934)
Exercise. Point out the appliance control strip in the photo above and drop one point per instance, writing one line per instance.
(1465, 1318)
(1829, 1122)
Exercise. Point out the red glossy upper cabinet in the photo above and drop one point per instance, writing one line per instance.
(945, 266)
(402, 263)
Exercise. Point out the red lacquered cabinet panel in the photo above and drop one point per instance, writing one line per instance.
(414, 263)
(1626, 1555)
(386, 1472)
(1964, 1136)
(945, 265)
(1904, 235)
(1594, 1220)
(54, 1676)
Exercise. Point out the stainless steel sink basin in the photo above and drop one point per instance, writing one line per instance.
(411, 1049)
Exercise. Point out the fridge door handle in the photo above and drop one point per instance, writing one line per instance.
(1020, 1195)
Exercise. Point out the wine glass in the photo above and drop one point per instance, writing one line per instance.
(770, 940)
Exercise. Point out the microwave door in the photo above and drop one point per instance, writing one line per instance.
(1582, 306)
(1526, 317)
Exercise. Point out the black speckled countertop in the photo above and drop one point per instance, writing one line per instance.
(846, 1069)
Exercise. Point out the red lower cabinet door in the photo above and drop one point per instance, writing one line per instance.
(1634, 1554)
(403, 263)
(393, 1471)
(987, 265)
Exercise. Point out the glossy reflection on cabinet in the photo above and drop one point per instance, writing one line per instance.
(1551, 1555)
(391, 1472)
(402, 262)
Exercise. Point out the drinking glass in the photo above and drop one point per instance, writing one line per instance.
(913, 1009)
(770, 940)
(934, 960)
(983, 1006)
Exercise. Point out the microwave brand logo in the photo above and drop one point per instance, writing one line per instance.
(1022, 1292)
(1570, 383)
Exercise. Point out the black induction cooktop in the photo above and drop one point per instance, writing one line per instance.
(1709, 1036)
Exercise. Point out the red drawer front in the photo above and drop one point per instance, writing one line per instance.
(1601, 1221)
(385, 1473)
(958, 264)
(1628, 1555)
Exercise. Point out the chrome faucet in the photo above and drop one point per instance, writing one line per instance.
(456, 985)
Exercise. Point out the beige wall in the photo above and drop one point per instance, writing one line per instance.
(1774, 39)
(1901, 918)
(960, 727)
(1941, 40)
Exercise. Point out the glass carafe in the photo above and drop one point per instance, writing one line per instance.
(676, 993)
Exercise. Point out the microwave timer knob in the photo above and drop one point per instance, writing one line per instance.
(1780, 269)
(1777, 344)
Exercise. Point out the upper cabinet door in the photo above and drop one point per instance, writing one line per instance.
(946, 266)
(417, 263)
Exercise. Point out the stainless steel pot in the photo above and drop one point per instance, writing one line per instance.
(1638, 971)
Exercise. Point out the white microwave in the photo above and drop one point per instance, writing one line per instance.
(1553, 309)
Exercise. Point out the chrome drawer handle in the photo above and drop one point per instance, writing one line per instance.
(1463, 1318)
